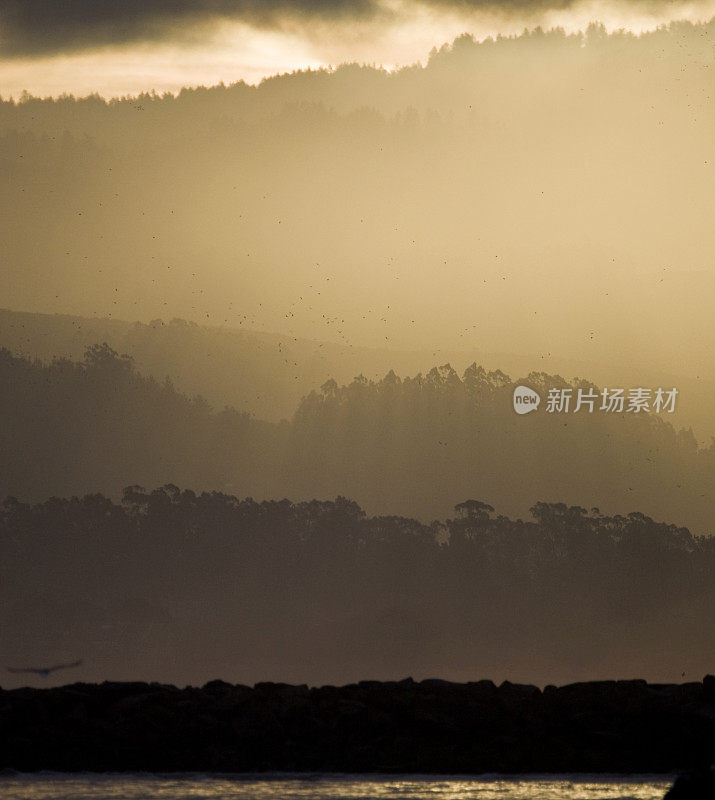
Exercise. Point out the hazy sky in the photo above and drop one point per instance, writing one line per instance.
(114, 48)
(542, 195)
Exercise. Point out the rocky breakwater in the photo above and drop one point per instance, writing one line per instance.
(401, 726)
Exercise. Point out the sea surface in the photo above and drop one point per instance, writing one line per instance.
(192, 786)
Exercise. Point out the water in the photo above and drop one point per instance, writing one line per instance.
(54, 786)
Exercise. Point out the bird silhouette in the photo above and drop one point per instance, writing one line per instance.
(43, 672)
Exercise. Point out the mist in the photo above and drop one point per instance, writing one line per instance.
(259, 348)
(546, 194)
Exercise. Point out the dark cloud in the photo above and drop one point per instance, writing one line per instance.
(33, 27)
(30, 27)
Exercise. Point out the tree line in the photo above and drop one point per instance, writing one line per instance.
(412, 446)
(171, 584)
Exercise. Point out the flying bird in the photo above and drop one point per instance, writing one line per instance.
(43, 672)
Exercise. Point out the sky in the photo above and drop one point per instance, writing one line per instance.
(82, 47)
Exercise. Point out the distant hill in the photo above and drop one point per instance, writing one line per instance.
(267, 374)
(514, 202)
(413, 446)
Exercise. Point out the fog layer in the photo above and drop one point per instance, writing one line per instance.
(548, 194)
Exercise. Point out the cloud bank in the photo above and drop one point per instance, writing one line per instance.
(33, 27)
(43, 27)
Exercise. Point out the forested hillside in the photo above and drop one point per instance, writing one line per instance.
(268, 374)
(72, 427)
(416, 445)
(181, 587)
(546, 195)
(413, 447)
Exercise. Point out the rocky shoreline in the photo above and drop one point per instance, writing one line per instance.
(431, 726)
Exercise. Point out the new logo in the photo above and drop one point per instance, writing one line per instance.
(525, 400)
